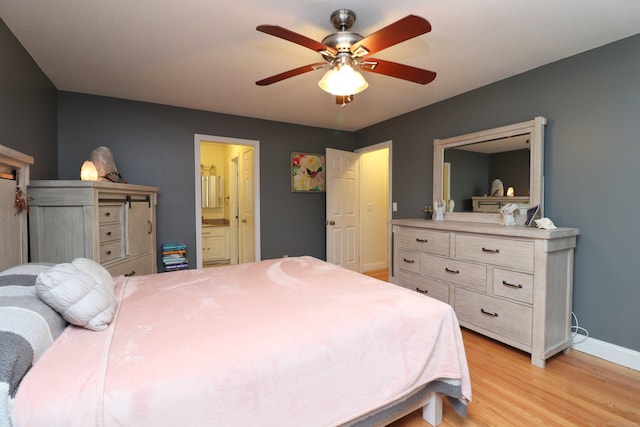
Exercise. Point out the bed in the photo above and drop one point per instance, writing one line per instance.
(285, 342)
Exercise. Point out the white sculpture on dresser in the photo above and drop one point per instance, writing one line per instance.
(545, 223)
(507, 214)
(497, 188)
(438, 208)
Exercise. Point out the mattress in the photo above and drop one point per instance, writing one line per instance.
(286, 342)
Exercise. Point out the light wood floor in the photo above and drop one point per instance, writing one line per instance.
(575, 389)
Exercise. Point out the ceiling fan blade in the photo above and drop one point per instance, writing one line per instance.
(400, 71)
(294, 37)
(407, 28)
(291, 73)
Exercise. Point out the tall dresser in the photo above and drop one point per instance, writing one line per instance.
(111, 223)
(513, 284)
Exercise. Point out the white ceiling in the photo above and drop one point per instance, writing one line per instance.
(207, 55)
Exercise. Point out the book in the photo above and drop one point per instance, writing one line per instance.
(176, 252)
(174, 246)
(175, 267)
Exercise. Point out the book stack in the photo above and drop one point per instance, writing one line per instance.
(174, 256)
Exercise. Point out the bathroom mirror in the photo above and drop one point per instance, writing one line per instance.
(465, 166)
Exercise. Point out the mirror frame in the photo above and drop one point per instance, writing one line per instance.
(534, 127)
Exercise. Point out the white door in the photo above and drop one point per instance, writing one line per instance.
(342, 208)
(247, 216)
(233, 211)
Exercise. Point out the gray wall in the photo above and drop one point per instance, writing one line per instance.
(154, 145)
(27, 107)
(592, 153)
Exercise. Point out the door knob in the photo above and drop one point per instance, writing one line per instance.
(331, 223)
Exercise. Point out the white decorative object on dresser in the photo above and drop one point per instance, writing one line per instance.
(513, 284)
(111, 223)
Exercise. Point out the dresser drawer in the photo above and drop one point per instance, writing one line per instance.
(516, 254)
(110, 252)
(409, 260)
(425, 285)
(418, 239)
(137, 266)
(458, 272)
(109, 213)
(110, 232)
(513, 285)
(507, 319)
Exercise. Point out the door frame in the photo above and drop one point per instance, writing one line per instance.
(367, 149)
(197, 139)
(233, 209)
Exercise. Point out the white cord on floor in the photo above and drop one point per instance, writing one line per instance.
(576, 329)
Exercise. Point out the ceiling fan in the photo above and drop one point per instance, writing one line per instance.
(345, 52)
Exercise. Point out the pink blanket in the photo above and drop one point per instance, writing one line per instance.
(287, 342)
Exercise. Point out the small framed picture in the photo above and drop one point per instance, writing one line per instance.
(307, 172)
(532, 214)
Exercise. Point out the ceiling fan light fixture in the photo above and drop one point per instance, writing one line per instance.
(343, 80)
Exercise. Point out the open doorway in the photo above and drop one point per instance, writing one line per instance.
(227, 200)
(375, 209)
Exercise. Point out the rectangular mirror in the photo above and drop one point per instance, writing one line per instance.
(212, 191)
(466, 168)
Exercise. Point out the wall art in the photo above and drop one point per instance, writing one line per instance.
(307, 172)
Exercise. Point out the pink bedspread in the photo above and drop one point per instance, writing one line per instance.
(287, 342)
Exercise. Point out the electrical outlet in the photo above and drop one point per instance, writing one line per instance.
(394, 206)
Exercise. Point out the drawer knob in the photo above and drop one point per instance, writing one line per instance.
(492, 251)
(108, 233)
(449, 270)
(511, 285)
(488, 313)
(422, 291)
(132, 273)
(410, 261)
(107, 214)
(421, 240)
(108, 252)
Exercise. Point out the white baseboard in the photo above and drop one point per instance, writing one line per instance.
(609, 352)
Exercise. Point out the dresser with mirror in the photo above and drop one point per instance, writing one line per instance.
(511, 283)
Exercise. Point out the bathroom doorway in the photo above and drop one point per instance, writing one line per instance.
(227, 232)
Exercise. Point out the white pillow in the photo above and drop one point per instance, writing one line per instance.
(79, 298)
(95, 270)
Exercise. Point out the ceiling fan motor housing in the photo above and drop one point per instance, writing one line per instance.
(342, 41)
(343, 19)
